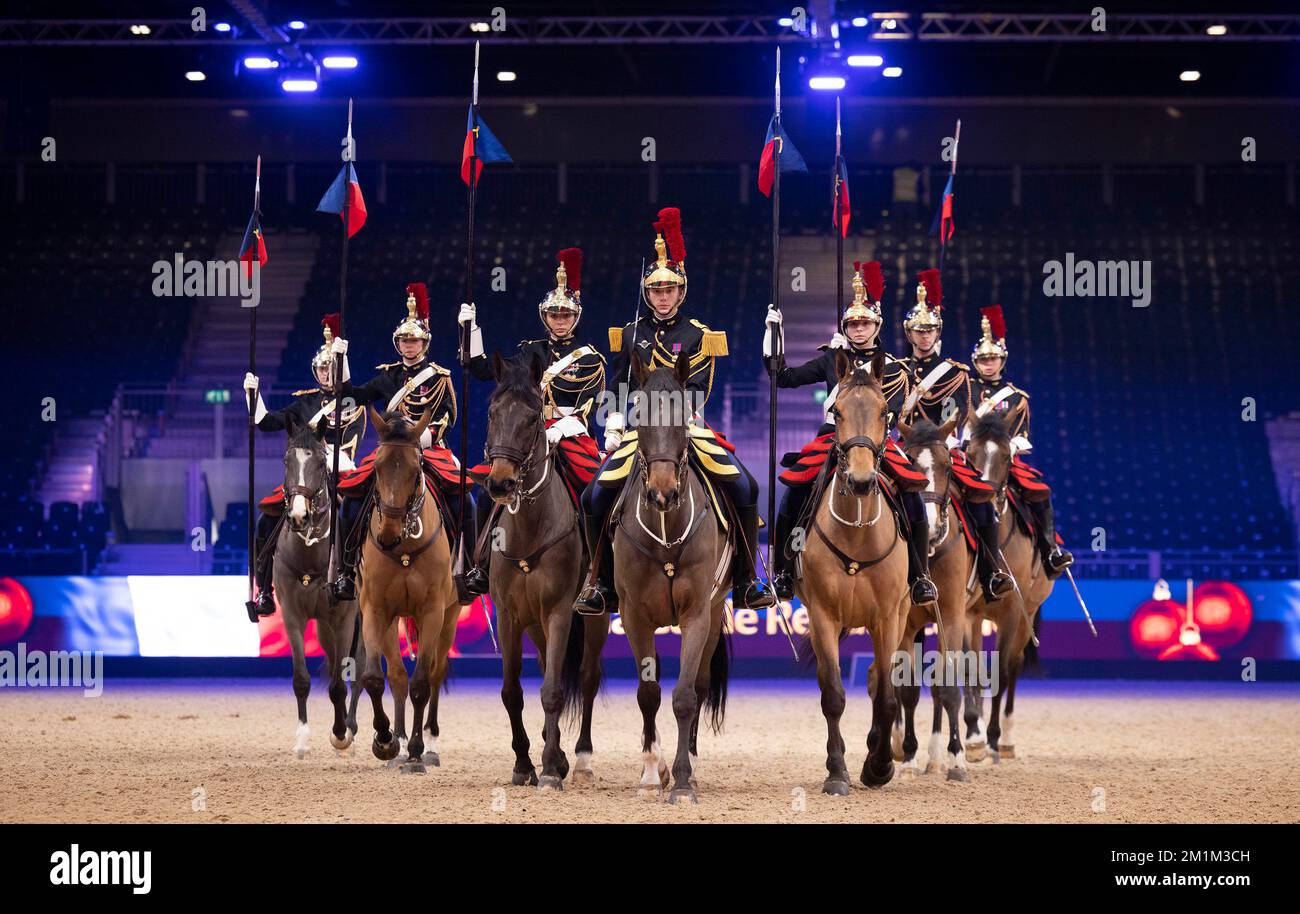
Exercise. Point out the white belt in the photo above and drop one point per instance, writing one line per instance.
(409, 386)
(994, 400)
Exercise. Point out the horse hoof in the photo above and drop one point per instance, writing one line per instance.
(1007, 751)
(300, 753)
(385, 751)
(524, 778)
(649, 793)
(431, 758)
(933, 767)
(679, 794)
(907, 772)
(835, 787)
(550, 782)
(872, 779)
(959, 774)
(994, 756)
(341, 744)
(975, 752)
(582, 776)
(412, 766)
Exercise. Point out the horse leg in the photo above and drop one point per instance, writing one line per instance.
(947, 696)
(512, 694)
(332, 637)
(878, 768)
(697, 635)
(1007, 634)
(399, 684)
(419, 692)
(909, 695)
(826, 648)
(294, 624)
(1015, 666)
(555, 765)
(976, 742)
(438, 676)
(595, 631)
(357, 664)
(385, 744)
(654, 768)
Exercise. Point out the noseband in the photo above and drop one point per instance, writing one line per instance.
(317, 510)
(408, 514)
(524, 460)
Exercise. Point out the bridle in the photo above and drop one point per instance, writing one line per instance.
(317, 512)
(662, 537)
(408, 514)
(941, 501)
(840, 451)
(523, 459)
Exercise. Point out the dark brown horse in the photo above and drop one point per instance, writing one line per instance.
(406, 573)
(670, 567)
(855, 571)
(535, 569)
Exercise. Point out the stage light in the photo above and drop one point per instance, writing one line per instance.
(859, 21)
(865, 60)
(826, 83)
(297, 25)
(222, 26)
(260, 63)
(1190, 76)
(889, 24)
(506, 76)
(339, 62)
(785, 21)
(196, 76)
(479, 27)
(299, 83)
(140, 30)
(892, 72)
(1217, 30)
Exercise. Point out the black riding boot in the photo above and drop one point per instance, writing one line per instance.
(1055, 559)
(264, 557)
(792, 504)
(468, 537)
(918, 553)
(747, 590)
(995, 582)
(345, 585)
(476, 579)
(600, 597)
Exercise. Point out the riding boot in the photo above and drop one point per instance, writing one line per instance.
(918, 553)
(995, 582)
(792, 504)
(599, 597)
(476, 579)
(345, 585)
(747, 590)
(468, 535)
(264, 557)
(1055, 558)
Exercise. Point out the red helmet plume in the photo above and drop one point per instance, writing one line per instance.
(421, 293)
(873, 279)
(997, 324)
(670, 225)
(933, 288)
(571, 258)
(333, 323)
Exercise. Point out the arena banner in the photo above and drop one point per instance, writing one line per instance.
(202, 616)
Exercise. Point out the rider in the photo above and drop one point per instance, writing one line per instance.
(941, 390)
(992, 392)
(410, 386)
(662, 334)
(574, 377)
(859, 340)
(314, 407)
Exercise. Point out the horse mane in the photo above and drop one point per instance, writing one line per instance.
(862, 377)
(990, 426)
(401, 430)
(305, 436)
(517, 382)
(660, 378)
(924, 432)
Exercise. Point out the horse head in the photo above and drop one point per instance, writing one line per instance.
(399, 477)
(305, 475)
(861, 421)
(927, 445)
(988, 447)
(515, 423)
(661, 429)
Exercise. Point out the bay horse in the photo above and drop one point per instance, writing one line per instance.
(670, 562)
(406, 573)
(301, 570)
(989, 450)
(535, 574)
(854, 571)
(951, 563)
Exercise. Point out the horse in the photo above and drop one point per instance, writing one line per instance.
(301, 570)
(406, 573)
(671, 571)
(951, 564)
(534, 576)
(854, 573)
(989, 450)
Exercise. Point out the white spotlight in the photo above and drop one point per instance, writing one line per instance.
(892, 72)
(196, 76)
(1190, 76)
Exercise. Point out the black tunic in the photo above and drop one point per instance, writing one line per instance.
(436, 392)
(954, 383)
(660, 343)
(821, 368)
(306, 406)
(575, 389)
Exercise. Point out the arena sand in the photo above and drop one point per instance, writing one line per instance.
(220, 751)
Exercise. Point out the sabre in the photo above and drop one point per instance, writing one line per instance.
(1016, 584)
(1082, 604)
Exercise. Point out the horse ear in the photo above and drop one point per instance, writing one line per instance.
(878, 366)
(290, 428)
(498, 365)
(843, 365)
(423, 423)
(378, 421)
(682, 369)
(904, 429)
(638, 368)
(538, 366)
(948, 428)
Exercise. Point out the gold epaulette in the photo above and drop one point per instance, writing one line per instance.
(387, 366)
(1022, 393)
(714, 342)
(303, 393)
(438, 369)
(615, 339)
(958, 364)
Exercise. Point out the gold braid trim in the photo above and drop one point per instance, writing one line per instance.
(714, 343)
(615, 339)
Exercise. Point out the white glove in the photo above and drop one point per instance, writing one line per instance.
(1020, 444)
(839, 342)
(565, 428)
(250, 382)
(613, 431)
(250, 385)
(468, 315)
(339, 346)
(426, 439)
(773, 322)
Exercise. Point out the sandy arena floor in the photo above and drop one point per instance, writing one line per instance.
(148, 751)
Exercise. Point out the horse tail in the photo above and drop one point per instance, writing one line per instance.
(719, 669)
(571, 671)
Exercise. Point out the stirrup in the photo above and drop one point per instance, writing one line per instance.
(344, 589)
(752, 596)
(924, 591)
(783, 585)
(595, 600)
(998, 586)
(1057, 561)
(476, 581)
(264, 605)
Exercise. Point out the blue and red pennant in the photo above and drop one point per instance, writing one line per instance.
(943, 226)
(790, 158)
(345, 189)
(842, 200)
(253, 247)
(484, 145)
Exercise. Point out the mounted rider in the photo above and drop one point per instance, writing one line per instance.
(574, 377)
(992, 392)
(314, 407)
(661, 333)
(941, 390)
(858, 337)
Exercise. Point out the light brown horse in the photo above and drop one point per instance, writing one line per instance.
(855, 571)
(989, 450)
(406, 573)
(670, 567)
(535, 570)
(951, 563)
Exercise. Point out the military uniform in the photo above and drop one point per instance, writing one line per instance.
(868, 287)
(661, 341)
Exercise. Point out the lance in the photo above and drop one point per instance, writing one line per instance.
(336, 542)
(1084, 606)
(252, 408)
(836, 183)
(777, 339)
(952, 173)
(465, 343)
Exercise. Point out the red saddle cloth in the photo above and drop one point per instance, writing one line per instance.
(1029, 480)
(579, 459)
(968, 479)
(897, 465)
(439, 465)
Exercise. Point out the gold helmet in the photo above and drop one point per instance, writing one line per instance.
(669, 266)
(324, 358)
(868, 286)
(416, 324)
(928, 311)
(566, 297)
(993, 340)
